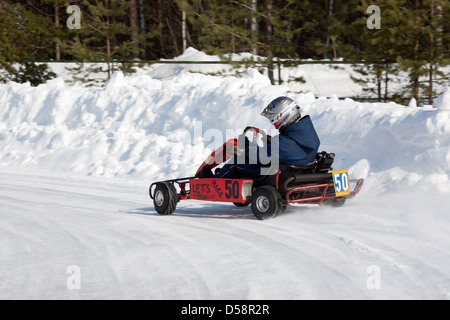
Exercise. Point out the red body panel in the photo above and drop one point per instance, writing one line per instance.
(223, 190)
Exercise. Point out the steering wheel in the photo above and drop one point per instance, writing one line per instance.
(255, 134)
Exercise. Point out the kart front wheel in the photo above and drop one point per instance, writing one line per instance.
(334, 202)
(266, 203)
(165, 198)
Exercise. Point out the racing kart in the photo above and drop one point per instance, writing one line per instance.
(314, 183)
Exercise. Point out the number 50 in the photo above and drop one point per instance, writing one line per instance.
(341, 183)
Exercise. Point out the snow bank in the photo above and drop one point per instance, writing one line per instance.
(145, 127)
(133, 126)
(393, 145)
(443, 101)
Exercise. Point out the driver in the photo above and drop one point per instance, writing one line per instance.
(297, 143)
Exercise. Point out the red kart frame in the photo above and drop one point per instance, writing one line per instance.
(267, 201)
(240, 190)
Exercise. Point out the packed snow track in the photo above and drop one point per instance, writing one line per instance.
(107, 233)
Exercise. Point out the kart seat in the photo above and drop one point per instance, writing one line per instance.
(287, 170)
(305, 167)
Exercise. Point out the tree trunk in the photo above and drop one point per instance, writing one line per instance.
(327, 42)
(108, 47)
(159, 17)
(416, 83)
(334, 46)
(269, 52)
(431, 58)
(254, 25)
(142, 25)
(183, 29)
(379, 81)
(386, 81)
(57, 48)
(134, 26)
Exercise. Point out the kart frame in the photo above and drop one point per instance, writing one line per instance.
(292, 194)
(314, 183)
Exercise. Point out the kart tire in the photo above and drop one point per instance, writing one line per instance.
(339, 202)
(239, 204)
(165, 198)
(333, 202)
(266, 203)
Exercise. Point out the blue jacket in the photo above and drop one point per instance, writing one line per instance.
(299, 143)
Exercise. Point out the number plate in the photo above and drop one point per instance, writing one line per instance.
(341, 182)
(223, 190)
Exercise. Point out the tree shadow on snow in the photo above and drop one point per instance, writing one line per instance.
(205, 210)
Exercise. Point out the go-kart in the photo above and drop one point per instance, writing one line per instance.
(314, 183)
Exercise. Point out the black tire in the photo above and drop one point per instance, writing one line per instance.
(266, 203)
(165, 198)
(339, 202)
(239, 204)
(284, 205)
(333, 202)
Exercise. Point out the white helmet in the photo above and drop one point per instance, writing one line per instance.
(282, 112)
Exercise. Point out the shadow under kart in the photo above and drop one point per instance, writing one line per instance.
(314, 183)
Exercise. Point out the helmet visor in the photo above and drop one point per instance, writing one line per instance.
(274, 116)
(269, 113)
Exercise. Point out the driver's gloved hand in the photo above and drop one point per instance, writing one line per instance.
(243, 145)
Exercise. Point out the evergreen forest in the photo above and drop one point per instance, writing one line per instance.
(380, 38)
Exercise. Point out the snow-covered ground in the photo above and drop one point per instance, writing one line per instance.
(77, 222)
(107, 228)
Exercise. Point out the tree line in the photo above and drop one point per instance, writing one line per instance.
(410, 37)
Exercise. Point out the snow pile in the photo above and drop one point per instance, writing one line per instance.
(167, 71)
(133, 126)
(443, 101)
(401, 145)
(148, 128)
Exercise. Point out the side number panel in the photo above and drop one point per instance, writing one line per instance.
(341, 183)
(223, 190)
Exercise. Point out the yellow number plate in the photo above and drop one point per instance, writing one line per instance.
(341, 183)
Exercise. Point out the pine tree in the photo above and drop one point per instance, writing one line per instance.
(106, 38)
(376, 61)
(438, 15)
(24, 36)
(413, 40)
(423, 45)
(221, 27)
(269, 28)
(337, 21)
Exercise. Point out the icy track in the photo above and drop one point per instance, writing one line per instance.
(392, 247)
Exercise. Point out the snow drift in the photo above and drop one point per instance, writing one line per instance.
(147, 128)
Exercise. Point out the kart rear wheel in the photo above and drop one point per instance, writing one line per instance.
(266, 203)
(165, 198)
